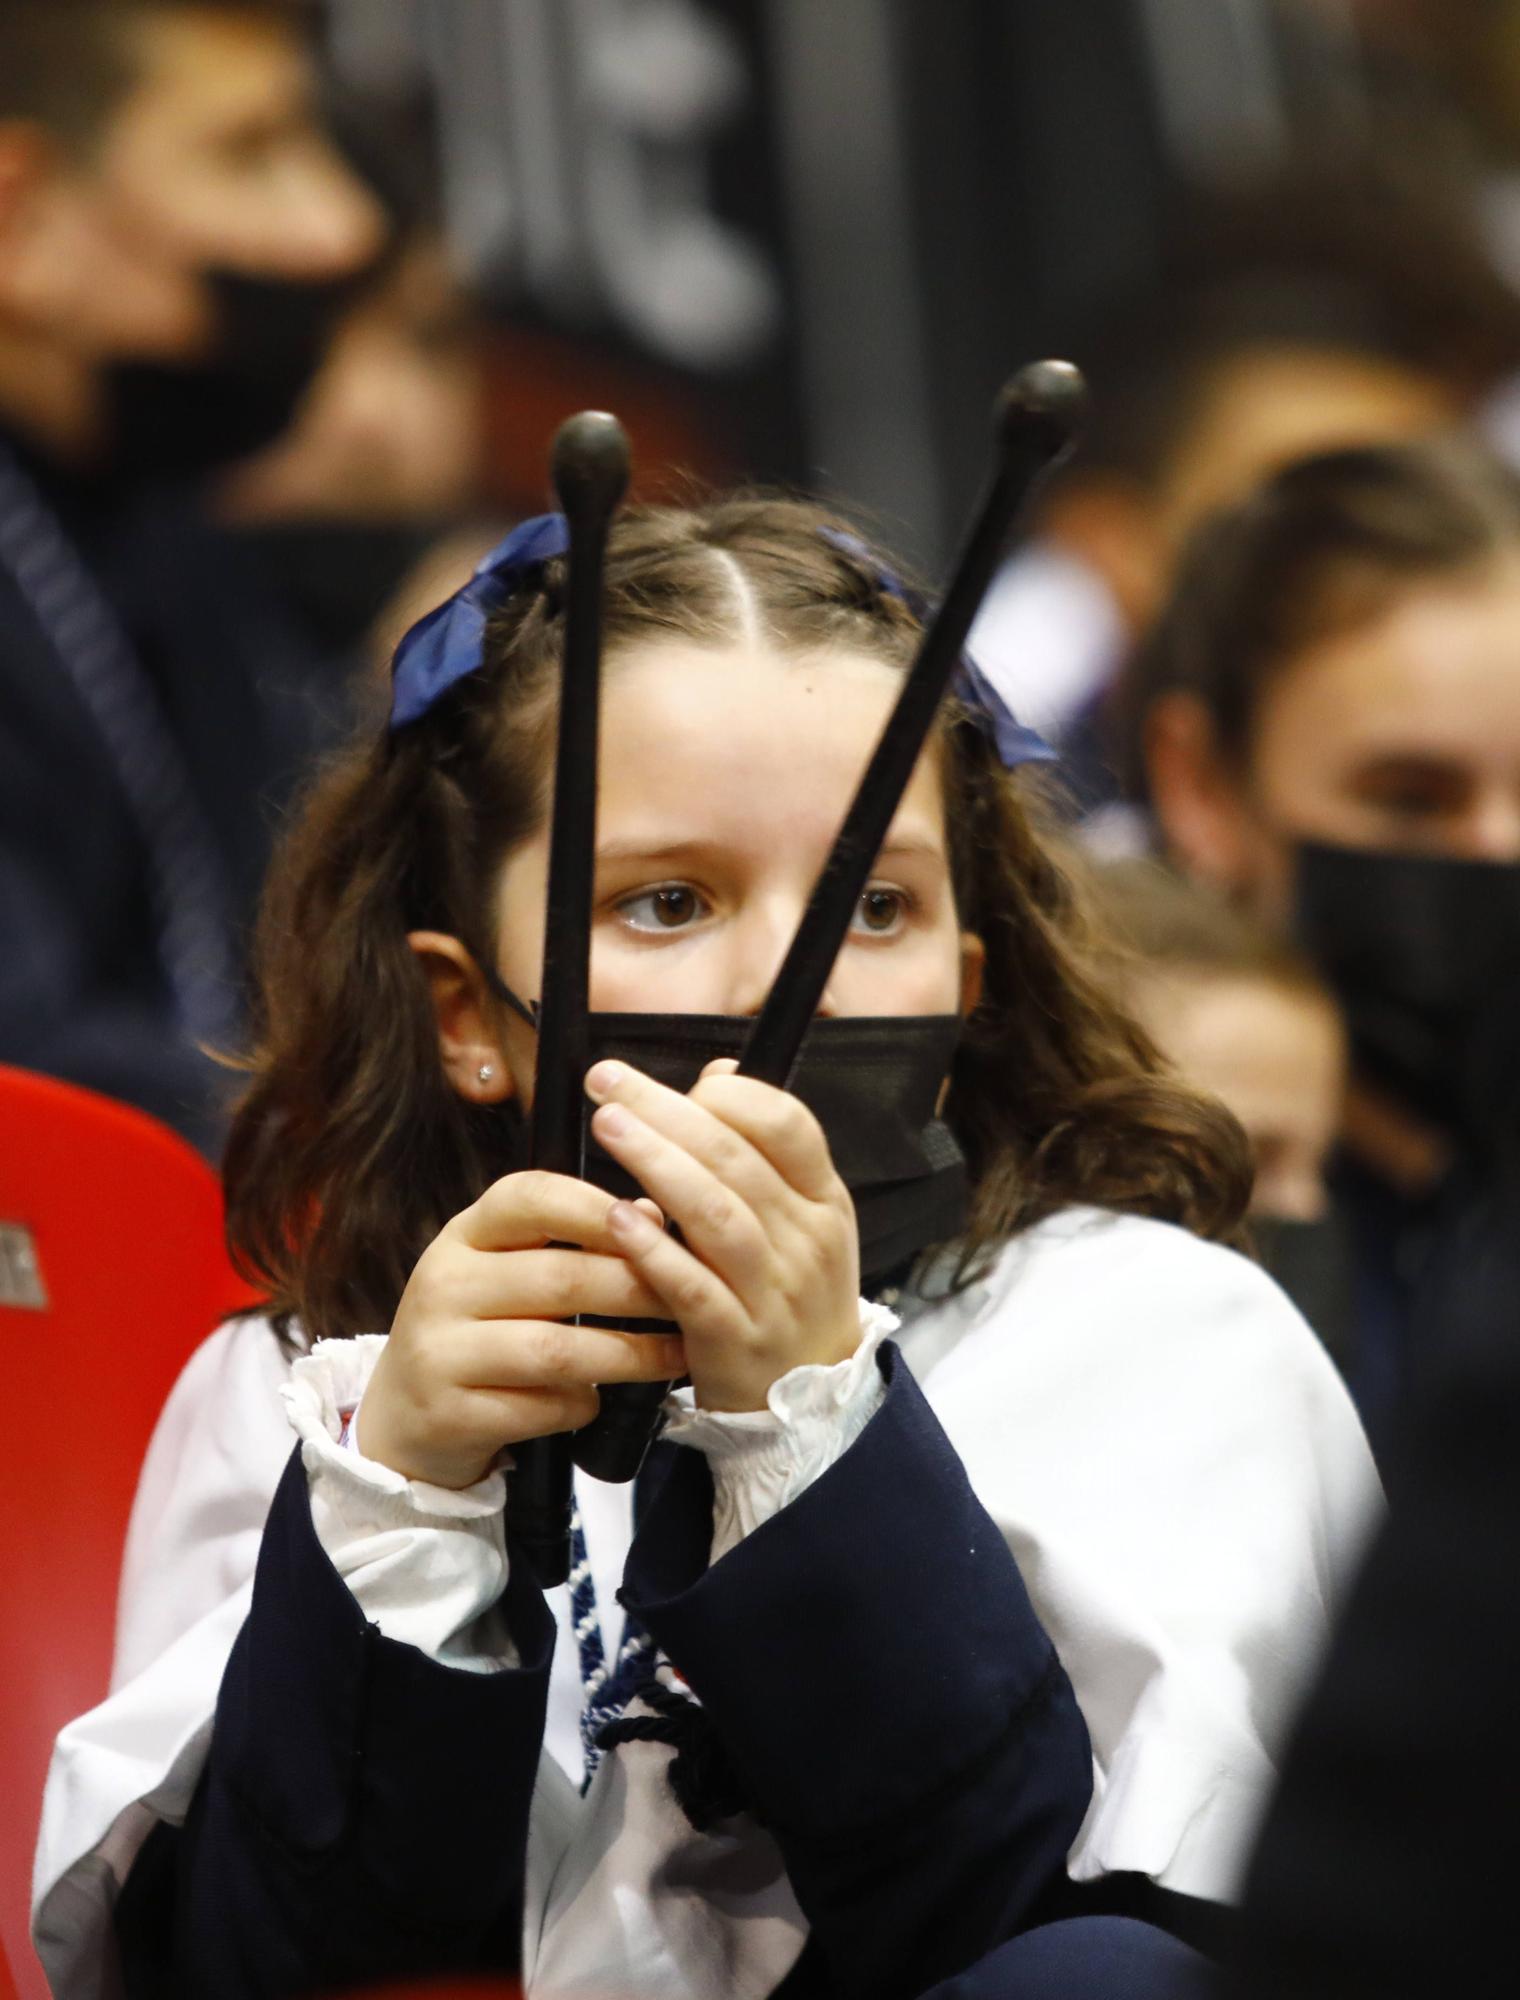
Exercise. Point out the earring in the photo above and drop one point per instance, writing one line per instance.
(485, 1072)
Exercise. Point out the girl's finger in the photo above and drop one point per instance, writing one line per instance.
(694, 1296)
(776, 1124)
(497, 1417)
(552, 1284)
(524, 1210)
(716, 1221)
(547, 1354)
(680, 1118)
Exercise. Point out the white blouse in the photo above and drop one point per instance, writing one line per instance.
(1162, 1441)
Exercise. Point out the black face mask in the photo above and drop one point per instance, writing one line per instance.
(187, 420)
(1423, 954)
(1315, 1264)
(872, 1083)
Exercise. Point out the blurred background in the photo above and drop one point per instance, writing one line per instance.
(807, 242)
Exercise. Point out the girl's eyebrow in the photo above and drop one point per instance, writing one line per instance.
(634, 849)
(900, 847)
(911, 847)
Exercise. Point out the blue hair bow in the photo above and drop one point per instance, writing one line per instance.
(1014, 742)
(450, 642)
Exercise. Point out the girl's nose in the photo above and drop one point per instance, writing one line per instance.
(1494, 829)
(760, 944)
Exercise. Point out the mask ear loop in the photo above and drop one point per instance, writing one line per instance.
(590, 471)
(525, 1010)
(1037, 418)
(1036, 421)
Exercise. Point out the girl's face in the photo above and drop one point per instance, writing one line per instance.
(1399, 736)
(1275, 1055)
(723, 778)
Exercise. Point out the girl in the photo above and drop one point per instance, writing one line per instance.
(1329, 713)
(1241, 1013)
(1152, 1430)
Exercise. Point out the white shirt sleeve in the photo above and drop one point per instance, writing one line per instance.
(426, 1563)
(761, 1460)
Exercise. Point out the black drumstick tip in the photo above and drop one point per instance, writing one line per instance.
(1044, 406)
(589, 463)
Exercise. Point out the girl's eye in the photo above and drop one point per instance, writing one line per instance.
(1410, 788)
(880, 911)
(671, 907)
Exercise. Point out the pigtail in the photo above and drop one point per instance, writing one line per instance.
(349, 1150)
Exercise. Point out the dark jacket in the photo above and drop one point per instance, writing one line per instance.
(247, 703)
(1387, 1863)
(868, 1658)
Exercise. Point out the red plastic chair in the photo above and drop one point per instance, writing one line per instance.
(112, 1269)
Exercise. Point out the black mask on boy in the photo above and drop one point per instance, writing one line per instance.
(1423, 953)
(1315, 1264)
(190, 419)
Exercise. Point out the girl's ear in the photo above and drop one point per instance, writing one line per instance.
(1198, 802)
(469, 1043)
(973, 964)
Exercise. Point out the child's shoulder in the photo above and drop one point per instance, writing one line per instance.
(1089, 1292)
(230, 1386)
(1100, 1339)
(244, 1348)
(1136, 1263)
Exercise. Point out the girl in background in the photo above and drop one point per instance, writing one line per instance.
(1329, 722)
(1239, 1012)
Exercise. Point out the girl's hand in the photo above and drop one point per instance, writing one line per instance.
(768, 1276)
(479, 1356)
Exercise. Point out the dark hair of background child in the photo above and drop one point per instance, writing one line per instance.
(1323, 547)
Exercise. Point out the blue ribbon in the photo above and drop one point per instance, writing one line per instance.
(1014, 742)
(450, 642)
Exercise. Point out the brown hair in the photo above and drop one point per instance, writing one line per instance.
(1322, 546)
(350, 1151)
(70, 64)
(1155, 919)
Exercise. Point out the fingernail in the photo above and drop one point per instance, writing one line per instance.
(623, 1219)
(602, 1079)
(611, 1122)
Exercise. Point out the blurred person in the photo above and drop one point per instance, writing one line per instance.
(1317, 312)
(382, 471)
(1328, 719)
(177, 235)
(1386, 1864)
(1240, 1013)
(390, 429)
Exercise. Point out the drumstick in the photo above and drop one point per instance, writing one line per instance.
(590, 472)
(1036, 420)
